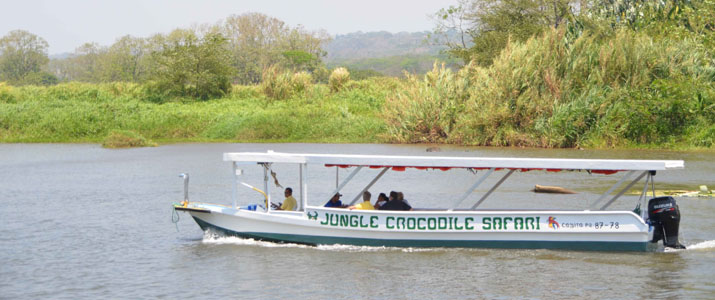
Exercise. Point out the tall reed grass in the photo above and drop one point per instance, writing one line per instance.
(338, 79)
(621, 89)
(426, 109)
(281, 84)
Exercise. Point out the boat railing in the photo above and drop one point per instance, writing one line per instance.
(495, 209)
(486, 166)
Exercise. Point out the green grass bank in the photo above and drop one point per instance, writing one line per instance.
(81, 112)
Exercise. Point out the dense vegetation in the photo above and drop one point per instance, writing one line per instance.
(620, 73)
(625, 73)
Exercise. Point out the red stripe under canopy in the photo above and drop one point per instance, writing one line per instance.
(396, 162)
(403, 168)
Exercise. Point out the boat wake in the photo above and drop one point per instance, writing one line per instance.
(351, 248)
(231, 240)
(702, 245)
(706, 245)
(212, 239)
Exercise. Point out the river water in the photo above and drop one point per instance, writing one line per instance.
(80, 221)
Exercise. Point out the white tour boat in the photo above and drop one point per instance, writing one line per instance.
(592, 229)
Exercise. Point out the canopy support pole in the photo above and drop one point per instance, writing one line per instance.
(266, 186)
(300, 186)
(234, 193)
(613, 188)
(369, 185)
(644, 196)
(623, 191)
(346, 180)
(304, 186)
(652, 182)
(471, 189)
(493, 188)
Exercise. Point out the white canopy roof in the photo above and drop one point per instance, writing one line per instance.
(349, 160)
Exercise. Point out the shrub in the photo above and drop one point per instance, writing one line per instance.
(321, 74)
(359, 74)
(39, 78)
(126, 139)
(425, 109)
(301, 81)
(338, 79)
(245, 91)
(6, 93)
(276, 83)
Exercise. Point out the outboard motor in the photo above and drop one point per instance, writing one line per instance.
(664, 215)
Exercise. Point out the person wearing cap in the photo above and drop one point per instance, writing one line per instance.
(335, 201)
(366, 205)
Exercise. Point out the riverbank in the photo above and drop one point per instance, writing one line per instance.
(363, 112)
(623, 89)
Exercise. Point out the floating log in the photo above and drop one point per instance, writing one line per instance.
(551, 189)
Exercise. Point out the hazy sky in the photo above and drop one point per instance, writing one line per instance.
(66, 24)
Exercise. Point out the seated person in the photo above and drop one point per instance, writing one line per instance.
(395, 203)
(381, 200)
(289, 203)
(335, 201)
(365, 202)
(401, 197)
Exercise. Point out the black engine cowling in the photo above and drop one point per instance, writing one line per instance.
(664, 215)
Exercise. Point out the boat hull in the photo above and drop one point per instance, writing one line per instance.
(574, 230)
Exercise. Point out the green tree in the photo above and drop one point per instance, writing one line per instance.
(21, 54)
(86, 63)
(483, 27)
(669, 18)
(192, 64)
(257, 41)
(254, 41)
(298, 59)
(303, 49)
(126, 60)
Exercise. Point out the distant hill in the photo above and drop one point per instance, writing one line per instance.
(62, 55)
(384, 52)
(379, 44)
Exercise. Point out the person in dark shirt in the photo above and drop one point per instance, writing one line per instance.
(395, 203)
(401, 197)
(381, 200)
(335, 202)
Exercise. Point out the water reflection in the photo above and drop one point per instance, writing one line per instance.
(665, 276)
